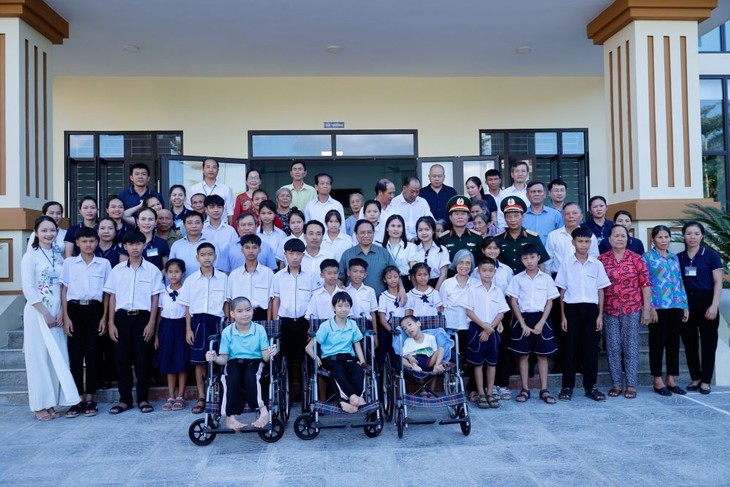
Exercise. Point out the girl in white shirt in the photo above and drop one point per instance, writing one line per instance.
(399, 248)
(430, 252)
(334, 240)
(423, 300)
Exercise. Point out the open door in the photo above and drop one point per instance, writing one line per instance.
(458, 169)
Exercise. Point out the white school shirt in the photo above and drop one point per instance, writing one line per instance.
(218, 188)
(388, 305)
(581, 281)
(187, 251)
(316, 210)
(454, 299)
(336, 246)
(85, 281)
(364, 301)
(424, 303)
(280, 251)
(205, 294)
(320, 306)
(427, 347)
(532, 293)
(437, 257)
(502, 276)
(402, 254)
(222, 237)
(256, 285)
(273, 238)
(134, 288)
(294, 292)
(171, 309)
(559, 246)
(410, 212)
(310, 263)
(486, 303)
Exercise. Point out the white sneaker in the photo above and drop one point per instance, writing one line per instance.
(505, 394)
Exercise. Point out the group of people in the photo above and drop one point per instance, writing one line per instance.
(143, 288)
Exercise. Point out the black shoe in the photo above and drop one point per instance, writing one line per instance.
(677, 390)
(566, 394)
(705, 391)
(693, 388)
(663, 391)
(595, 394)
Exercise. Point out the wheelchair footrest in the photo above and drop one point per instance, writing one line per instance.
(454, 421)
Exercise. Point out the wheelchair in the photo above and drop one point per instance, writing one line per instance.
(308, 425)
(204, 430)
(424, 391)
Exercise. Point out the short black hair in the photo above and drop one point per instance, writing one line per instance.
(214, 200)
(245, 215)
(133, 237)
(139, 165)
(203, 246)
(294, 245)
(328, 263)
(535, 182)
(581, 232)
(382, 185)
(341, 297)
(357, 261)
(298, 162)
(250, 239)
(86, 232)
(323, 175)
(316, 223)
(486, 260)
(192, 214)
(556, 182)
(492, 173)
(269, 205)
(529, 249)
(409, 179)
(361, 222)
(48, 204)
(178, 262)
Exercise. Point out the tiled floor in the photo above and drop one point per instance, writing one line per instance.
(652, 440)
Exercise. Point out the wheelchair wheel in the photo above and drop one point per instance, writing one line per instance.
(284, 391)
(466, 425)
(306, 385)
(451, 386)
(198, 435)
(388, 395)
(276, 432)
(372, 431)
(305, 428)
(400, 421)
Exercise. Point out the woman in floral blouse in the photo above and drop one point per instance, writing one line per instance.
(627, 303)
(669, 311)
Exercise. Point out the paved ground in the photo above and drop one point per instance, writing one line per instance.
(651, 440)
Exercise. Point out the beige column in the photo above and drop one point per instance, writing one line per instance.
(28, 29)
(652, 103)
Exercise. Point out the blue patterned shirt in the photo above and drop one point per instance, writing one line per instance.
(667, 287)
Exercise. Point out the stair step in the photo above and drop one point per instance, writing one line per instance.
(11, 358)
(14, 377)
(15, 339)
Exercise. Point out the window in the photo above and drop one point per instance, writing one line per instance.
(97, 163)
(311, 144)
(550, 154)
(714, 125)
(717, 40)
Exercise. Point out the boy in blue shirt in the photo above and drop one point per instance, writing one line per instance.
(342, 355)
(244, 351)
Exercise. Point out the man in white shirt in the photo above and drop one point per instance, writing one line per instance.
(210, 185)
(519, 172)
(317, 208)
(384, 194)
(410, 206)
(493, 180)
(559, 245)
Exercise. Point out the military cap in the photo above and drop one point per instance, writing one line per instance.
(512, 203)
(458, 203)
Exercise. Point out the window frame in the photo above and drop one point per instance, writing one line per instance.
(724, 81)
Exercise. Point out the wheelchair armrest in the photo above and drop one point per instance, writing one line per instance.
(311, 334)
(214, 338)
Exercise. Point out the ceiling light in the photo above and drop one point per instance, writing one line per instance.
(524, 50)
(334, 49)
(130, 48)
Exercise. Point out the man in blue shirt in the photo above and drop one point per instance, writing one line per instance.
(139, 175)
(539, 218)
(437, 194)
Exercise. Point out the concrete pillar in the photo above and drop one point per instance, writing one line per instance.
(28, 29)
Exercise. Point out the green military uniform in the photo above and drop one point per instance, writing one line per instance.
(468, 240)
(510, 246)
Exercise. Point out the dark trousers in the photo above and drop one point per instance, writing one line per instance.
(664, 335)
(506, 360)
(83, 344)
(347, 374)
(260, 314)
(292, 342)
(699, 331)
(245, 375)
(466, 368)
(555, 319)
(133, 351)
(580, 344)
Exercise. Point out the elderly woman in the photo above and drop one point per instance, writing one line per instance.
(702, 273)
(627, 303)
(669, 311)
(283, 208)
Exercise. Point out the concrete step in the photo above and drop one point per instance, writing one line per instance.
(14, 377)
(15, 339)
(13, 395)
(11, 358)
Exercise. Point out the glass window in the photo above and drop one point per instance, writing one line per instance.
(354, 145)
(574, 143)
(521, 143)
(713, 174)
(81, 146)
(546, 143)
(111, 146)
(169, 144)
(492, 143)
(711, 120)
(303, 145)
(710, 42)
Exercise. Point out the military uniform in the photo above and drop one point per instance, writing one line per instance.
(468, 240)
(510, 246)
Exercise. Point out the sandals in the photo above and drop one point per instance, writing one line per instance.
(90, 409)
(630, 394)
(146, 408)
(473, 396)
(168, 404)
(482, 402)
(74, 411)
(523, 396)
(179, 404)
(615, 392)
(199, 407)
(546, 397)
(596, 395)
(119, 408)
(44, 417)
(566, 394)
(492, 401)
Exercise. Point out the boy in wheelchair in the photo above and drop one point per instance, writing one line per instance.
(339, 343)
(420, 350)
(244, 350)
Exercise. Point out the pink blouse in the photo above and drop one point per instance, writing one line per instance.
(627, 277)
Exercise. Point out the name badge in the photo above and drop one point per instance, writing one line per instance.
(690, 272)
(153, 252)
